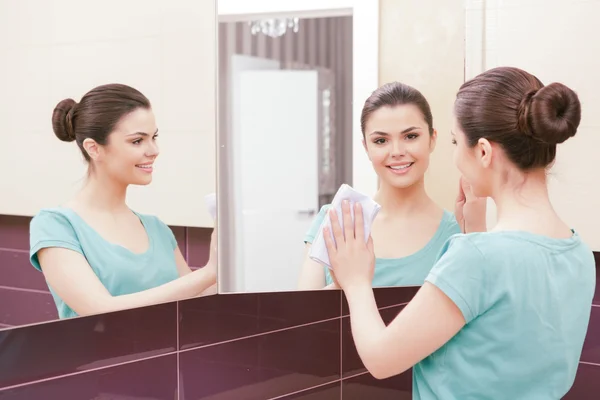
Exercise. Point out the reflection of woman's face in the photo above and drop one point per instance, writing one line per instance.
(398, 143)
(129, 155)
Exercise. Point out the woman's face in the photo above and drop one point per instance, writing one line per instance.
(129, 154)
(399, 145)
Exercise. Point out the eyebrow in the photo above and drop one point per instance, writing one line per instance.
(407, 130)
(141, 133)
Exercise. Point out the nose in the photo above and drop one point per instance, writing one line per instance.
(398, 149)
(152, 150)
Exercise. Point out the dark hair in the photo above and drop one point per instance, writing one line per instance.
(395, 94)
(513, 108)
(96, 115)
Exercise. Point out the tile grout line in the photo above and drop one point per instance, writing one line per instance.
(19, 289)
(259, 334)
(304, 390)
(589, 363)
(20, 251)
(67, 375)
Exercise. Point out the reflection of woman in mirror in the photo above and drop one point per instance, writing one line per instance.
(502, 314)
(97, 255)
(410, 229)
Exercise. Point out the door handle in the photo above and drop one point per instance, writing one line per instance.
(308, 213)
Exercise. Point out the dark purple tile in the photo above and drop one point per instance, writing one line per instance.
(388, 296)
(179, 233)
(597, 293)
(14, 232)
(351, 362)
(325, 392)
(364, 386)
(18, 307)
(591, 346)
(586, 385)
(198, 246)
(219, 318)
(61, 347)
(263, 366)
(17, 271)
(152, 379)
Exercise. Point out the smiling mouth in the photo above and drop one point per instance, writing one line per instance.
(400, 167)
(145, 166)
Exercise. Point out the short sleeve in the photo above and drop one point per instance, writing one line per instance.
(462, 273)
(316, 224)
(51, 229)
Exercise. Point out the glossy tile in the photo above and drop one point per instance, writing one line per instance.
(366, 387)
(591, 346)
(325, 392)
(179, 233)
(198, 245)
(17, 271)
(14, 232)
(66, 346)
(586, 385)
(351, 363)
(597, 294)
(152, 379)
(216, 319)
(18, 307)
(388, 296)
(265, 366)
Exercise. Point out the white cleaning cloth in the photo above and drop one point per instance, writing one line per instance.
(318, 250)
(211, 204)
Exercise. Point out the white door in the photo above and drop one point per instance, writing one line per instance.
(278, 132)
(231, 279)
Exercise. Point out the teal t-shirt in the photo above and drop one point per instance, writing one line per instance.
(120, 270)
(527, 301)
(406, 271)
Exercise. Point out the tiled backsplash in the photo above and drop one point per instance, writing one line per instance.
(289, 345)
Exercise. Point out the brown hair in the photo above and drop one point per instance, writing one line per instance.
(513, 108)
(96, 115)
(395, 94)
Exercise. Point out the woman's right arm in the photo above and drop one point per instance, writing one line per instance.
(71, 277)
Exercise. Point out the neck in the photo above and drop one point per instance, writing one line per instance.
(103, 194)
(525, 204)
(402, 201)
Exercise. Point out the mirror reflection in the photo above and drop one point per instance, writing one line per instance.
(286, 108)
(101, 213)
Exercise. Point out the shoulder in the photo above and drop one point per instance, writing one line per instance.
(51, 218)
(450, 224)
(157, 228)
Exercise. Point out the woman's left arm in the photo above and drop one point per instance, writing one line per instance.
(426, 323)
(429, 321)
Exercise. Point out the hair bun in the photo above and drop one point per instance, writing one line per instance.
(62, 120)
(554, 114)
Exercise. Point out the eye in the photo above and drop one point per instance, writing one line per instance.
(137, 141)
(453, 141)
(412, 136)
(379, 141)
(155, 136)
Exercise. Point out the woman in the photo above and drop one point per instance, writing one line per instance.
(96, 254)
(410, 229)
(502, 314)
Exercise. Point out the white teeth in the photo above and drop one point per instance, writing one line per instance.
(401, 166)
(144, 166)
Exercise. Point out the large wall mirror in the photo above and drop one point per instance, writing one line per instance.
(119, 213)
(293, 80)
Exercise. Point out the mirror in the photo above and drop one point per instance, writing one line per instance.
(116, 218)
(291, 92)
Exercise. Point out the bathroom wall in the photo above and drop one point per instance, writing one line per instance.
(55, 49)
